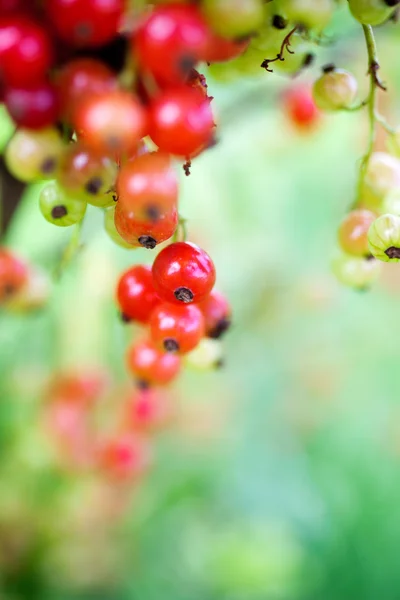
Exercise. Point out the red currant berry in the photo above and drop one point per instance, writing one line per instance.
(148, 186)
(9, 6)
(13, 275)
(25, 51)
(151, 365)
(86, 22)
(81, 78)
(147, 233)
(217, 314)
(136, 295)
(33, 107)
(177, 328)
(148, 410)
(183, 272)
(181, 121)
(170, 42)
(300, 107)
(125, 457)
(114, 122)
(222, 49)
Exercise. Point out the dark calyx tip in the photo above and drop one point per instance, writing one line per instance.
(58, 212)
(392, 2)
(171, 345)
(93, 186)
(186, 64)
(393, 252)
(279, 22)
(328, 68)
(48, 166)
(125, 318)
(184, 295)
(141, 384)
(308, 60)
(147, 242)
(221, 327)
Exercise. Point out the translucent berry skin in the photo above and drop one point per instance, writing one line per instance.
(59, 209)
(177, 328)
(80, 78)
(151, 365)
(217, 314)
(85, 23)
(384, 238)
(382, 173)
(13, 275)
(233, 19)
(34, 155)
(183, 273)
(355, 272)
(170, 42)
(181, 121)
(335, 90)
(147, 233)
(148, 410)
(111, 123)
(87, 176)
(33, 107)
(136, 296)
(148, 186)
(353, 232)
(111, 230)
(206, 356)
(125, 457)
(372, 12)
(26, 51)
(300, 108)
(313, 14)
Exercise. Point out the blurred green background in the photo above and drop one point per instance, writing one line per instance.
(280, 479)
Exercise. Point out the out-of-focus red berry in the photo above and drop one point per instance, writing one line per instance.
(125, 457)
(33, 107)
(300, 108)
(217, 314)
(13, 275)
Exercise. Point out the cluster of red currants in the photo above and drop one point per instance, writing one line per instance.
(176, 300)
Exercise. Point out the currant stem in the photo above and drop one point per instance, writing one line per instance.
(181, 233)
(70, 251)
(375, 83)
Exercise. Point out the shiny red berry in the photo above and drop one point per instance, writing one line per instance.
(147, 186)
(85, 22)
(170, 41)
(217, 314)
(177, 328)
(183, 273)
(147, 233)
(13, 275)
(181, 121)
(113, 122)
(151, 365)
(26, 51)
(136, 295)
(81, 78)
(33, 107)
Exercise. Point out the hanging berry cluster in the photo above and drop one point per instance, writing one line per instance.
(107, 95)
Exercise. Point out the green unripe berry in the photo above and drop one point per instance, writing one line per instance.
(384, 238)
(382, 173)
(206, 356)
(355, 272)
(312, 14)
(34, 155)
(391, 204)
(111, 230)
(336, 89)
(233, 18)
(372, 12)
(59, 209)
